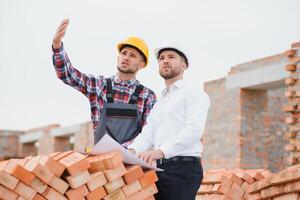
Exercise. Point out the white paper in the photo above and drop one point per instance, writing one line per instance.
(107, 144)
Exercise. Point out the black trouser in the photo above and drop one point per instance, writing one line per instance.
(180, 180)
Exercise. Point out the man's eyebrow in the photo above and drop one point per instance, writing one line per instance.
(170, 54)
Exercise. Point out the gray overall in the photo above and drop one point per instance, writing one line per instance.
(122, 122)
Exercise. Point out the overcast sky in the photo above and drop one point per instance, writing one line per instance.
(215, 34)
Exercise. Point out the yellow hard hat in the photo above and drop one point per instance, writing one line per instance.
(138, 43)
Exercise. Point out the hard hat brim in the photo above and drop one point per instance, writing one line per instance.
(158, 51)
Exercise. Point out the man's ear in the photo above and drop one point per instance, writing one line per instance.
(142, 64)
(184, 65)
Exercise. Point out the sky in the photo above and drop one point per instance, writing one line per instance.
(215, 35)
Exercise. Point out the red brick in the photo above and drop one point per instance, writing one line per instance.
(234, 178)
(131, 188)
(61, 155)
(25, 191)
(292, 187)
(113, 174)
(106, 161)
(289, 135)
(284, 177)
(293, 196)
(52, 194)
(98, 180)
(54, 166)
(290, 52)
(77, 193)
(75, 163)
(97, 194)
(204, 189)
(226, 181)
(148, 179)
(289, 93)
(8, 180)
(295, 45)
(150, 198)
(212, 177)
(59, 185)
(97, 164)
(144, 193)
(237, 191)
(53, 154)
(271, 192)
(114, 185)
(117, 195)
(255, 174)
(133, 173)
(246, 177)
(216, 188)
(291, 67)
(5, 193)
(253, 196)
(245, 186)
(38, 185)
(290, 81)
(79, 179)
(39, 197)
(38, 170)
(19, 172)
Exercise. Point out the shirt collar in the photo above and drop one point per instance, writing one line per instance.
(178, 84)
(129, 83)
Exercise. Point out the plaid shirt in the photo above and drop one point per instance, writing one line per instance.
(94, 88)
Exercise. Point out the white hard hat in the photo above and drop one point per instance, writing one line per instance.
(158, 51)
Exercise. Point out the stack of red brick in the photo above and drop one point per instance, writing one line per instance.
(72, 175)
(284, 185)
(229, 185)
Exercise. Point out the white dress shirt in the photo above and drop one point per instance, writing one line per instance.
(176, 123)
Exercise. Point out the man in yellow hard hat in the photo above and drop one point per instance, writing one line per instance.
(119, 104)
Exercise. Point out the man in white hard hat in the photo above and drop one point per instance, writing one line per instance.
(172, 135)
(119, 104)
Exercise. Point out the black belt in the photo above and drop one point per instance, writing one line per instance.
(178, 159)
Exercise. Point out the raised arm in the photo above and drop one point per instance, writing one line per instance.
(91, 86)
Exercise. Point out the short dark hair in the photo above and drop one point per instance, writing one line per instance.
(140, 52)
(180, 53)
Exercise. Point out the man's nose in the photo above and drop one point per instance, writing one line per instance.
(165, 61)
(126, 57)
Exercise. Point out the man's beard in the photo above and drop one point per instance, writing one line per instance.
(128, 71)
(169, 75)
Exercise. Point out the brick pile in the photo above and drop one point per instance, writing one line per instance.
(284, 185)
(293, 106)
(72, 175)
(229, 185)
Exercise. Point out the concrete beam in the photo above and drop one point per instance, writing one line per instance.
(7, 133)
(31, 137)
(268, 77)
(65, 131)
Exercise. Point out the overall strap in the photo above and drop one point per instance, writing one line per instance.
(135, 95)
(109, 91)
